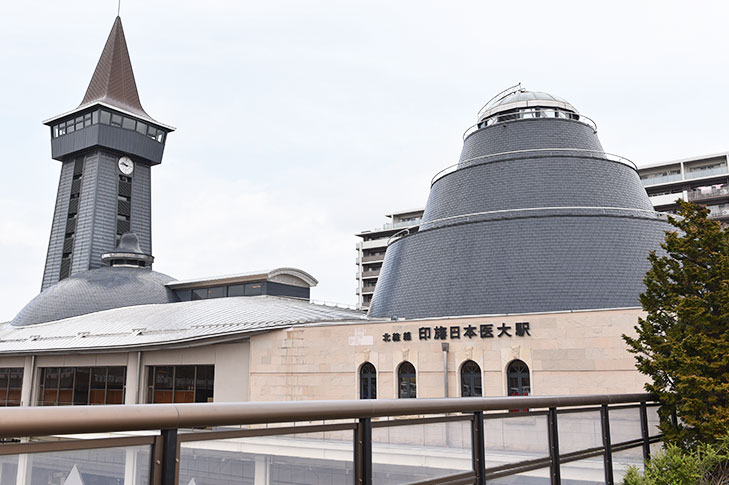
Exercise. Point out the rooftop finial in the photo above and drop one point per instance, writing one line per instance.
(118, 7)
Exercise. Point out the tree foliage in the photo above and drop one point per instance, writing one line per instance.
(706, 465)
(683, 341)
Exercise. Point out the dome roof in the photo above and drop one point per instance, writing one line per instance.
(521, 98)
(96, 290)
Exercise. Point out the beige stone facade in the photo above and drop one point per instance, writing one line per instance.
(567, 353)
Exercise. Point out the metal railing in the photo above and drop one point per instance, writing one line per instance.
(530, 113)
(708, 193)
(174, 424)
(544, 152)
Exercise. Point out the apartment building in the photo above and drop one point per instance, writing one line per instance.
(371, 251)
(703, 179)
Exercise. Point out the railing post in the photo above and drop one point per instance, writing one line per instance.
(169, 457)
(607, 457)
(553, 435)
(363, 452)
(478, 455)
(644, 432)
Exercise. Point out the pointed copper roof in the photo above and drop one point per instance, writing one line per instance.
(113, 80)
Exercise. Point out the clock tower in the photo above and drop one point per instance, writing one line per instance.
(107, 147)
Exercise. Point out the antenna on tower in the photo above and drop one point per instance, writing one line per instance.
(118, 7)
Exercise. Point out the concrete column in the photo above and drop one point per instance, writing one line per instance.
(25, 467)
(262, 474)
(130, 466)
(26, 394)
(133, 381)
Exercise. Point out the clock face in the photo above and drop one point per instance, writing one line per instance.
(126, 166)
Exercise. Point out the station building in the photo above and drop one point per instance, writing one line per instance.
(522, 278)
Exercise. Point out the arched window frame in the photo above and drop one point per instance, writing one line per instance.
(367, 381)
(406, 381)
(471, 379)
(519, 370)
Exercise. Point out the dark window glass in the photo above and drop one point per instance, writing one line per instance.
(236, 290)
(79, 122)
(105, 117)
(253, 289)
(518, 379)
(87, 120)
(11, 385)
(152, 132)
(367, 381)
(116, 120)
(216, 292)
(160, 136)
(184, 295)
(70, 127)
(204, 383)
(471, 379)
(55, 131)
(128, 123)
(81, 385)
(199, 294)
(406, 380)
(95, 117)
(163, 384)
(183, 383)
(142, 127)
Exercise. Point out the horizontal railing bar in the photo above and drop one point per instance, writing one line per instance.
(510, 467)
(597, 408)
(519, 414)
(457, 479)
(414, 421)
(37, 421)
(71, 445)
(251, 433)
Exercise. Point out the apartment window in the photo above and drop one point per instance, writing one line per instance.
(518, 379)
(367, 381)
(66, 386)
(11, 384)
(180, 383)
(471, 379)
(406, 381)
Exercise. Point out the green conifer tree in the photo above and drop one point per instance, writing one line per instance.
(682, 344)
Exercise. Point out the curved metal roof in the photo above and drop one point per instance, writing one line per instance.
(170, 324)
(96, 290)
(522, 98)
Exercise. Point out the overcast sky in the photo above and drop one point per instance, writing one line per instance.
(301, 123)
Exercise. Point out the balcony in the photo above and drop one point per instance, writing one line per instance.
(371, 258)
(720, 170)
(660, 179)
(708, 193)
(544, 439)
(370, 274)
(368, 289)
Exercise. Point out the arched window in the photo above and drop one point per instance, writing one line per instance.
(406, 380)
(517, 378)
(470, 379)
(367, 381)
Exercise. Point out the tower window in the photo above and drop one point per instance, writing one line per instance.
(406, 381)
(116, 120)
